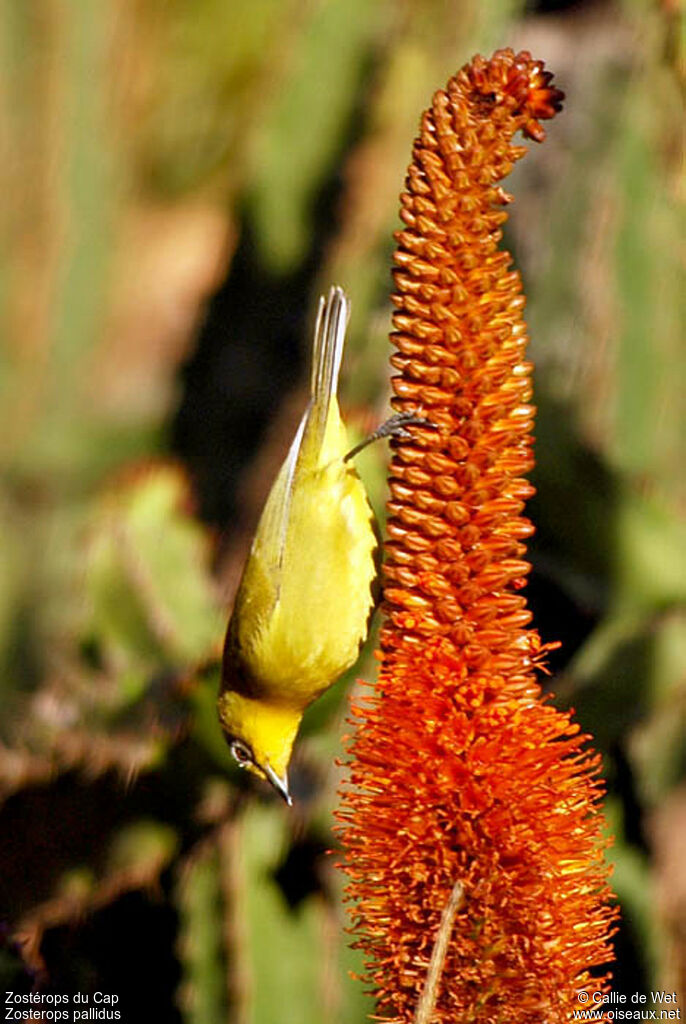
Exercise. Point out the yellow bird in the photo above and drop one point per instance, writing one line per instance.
(307, 592)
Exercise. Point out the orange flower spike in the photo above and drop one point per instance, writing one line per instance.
(470, 823)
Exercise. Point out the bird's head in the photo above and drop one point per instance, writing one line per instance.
(260, 736)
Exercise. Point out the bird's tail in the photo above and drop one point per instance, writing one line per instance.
(327, 351)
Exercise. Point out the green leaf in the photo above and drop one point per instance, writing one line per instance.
(152, 600)
(296, 958)
(304, 130)
(142, 848)
(203, 993)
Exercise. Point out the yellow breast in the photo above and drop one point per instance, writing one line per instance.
(306, 597)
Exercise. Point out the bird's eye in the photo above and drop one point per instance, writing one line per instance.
(241, 751)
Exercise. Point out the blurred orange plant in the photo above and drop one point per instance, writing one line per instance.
(471, 820)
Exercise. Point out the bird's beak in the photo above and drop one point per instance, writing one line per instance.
(279, 784)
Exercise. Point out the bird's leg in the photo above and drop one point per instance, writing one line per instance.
(394, 426)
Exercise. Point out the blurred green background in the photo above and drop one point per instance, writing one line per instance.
(180, 182)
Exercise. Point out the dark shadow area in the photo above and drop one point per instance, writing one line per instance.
(127, 950)
(556, 6)
(624, 786)
(249, 354)
(252, 348)
(629, 972)
(300, 873)
(558, 615)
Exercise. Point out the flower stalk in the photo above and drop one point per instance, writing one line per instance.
(463, 779)
(427, 1000)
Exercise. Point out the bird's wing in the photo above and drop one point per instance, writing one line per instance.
(270, 537)
(262, 575)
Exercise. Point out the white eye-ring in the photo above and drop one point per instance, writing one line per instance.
(241, 752)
